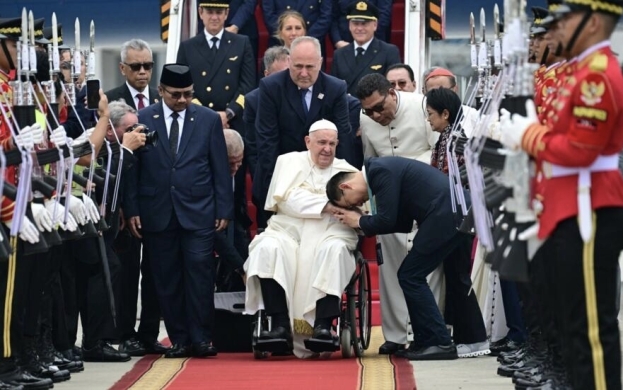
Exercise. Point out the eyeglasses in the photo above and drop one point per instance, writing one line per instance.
(378, 108)
(136, 67)
(400, 83)
(177, 95)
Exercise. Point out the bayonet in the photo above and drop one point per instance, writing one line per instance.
(32, 51)
(77, 54)
(497, 43)
(24, 43)
(56, 60)
(483, 58)
(91, 62)
(472, 42)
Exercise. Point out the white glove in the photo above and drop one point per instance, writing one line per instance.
(59, 136)
(529, 233)
(24, 138)
(77, 209)
(83, 137)
(28, 231)
(57, 211)
(42, 217)
(37, 134)
(512, 130)
(71, 224)
(91, 209)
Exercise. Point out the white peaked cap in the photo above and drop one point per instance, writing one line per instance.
(322, 124)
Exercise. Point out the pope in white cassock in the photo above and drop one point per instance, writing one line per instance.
(299, 266)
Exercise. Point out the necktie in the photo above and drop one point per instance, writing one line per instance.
(303, 100)
(140, 98)
(174, 134)
(359, 55)
(214, 48)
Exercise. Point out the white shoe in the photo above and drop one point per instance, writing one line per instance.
(473, 350)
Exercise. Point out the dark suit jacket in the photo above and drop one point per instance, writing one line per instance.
(354, 113)
(376, 59)
(281, 123)
(405, 191)
(317, 15)
(220, 81)
(242, 14)
(250, 144)
(339, 27)
(196, 186)
(123, 92)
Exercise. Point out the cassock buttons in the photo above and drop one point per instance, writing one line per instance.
(204, 73)
(209, 89)
(211, 105)
(227, 87)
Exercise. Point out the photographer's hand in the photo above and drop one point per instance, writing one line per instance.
(134, 139)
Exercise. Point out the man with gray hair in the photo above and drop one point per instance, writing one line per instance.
(136, 66)
(290, 102)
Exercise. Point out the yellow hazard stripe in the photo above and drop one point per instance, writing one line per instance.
(591, 311)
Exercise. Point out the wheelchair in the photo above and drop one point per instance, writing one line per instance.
(353, 327)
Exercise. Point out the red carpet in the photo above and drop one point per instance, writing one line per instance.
(241, 371)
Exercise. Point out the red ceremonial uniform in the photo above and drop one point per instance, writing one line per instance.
(584, 122)
(539, 75)
(7, 205)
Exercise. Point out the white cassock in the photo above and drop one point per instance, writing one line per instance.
(308, 253)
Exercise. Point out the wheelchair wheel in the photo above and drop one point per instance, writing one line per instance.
(364, 296)
(346, 343)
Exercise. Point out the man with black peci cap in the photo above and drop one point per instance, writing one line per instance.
(366, 54)
(178, 196)
(580, 191)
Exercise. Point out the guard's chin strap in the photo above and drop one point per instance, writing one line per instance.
(545, 55)
(9, 59)
(578, 31)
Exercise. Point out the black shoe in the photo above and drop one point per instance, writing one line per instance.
(204, 349)
(509, 346)
(177, 351)
(132, 347)
(278, 332)
(154, 347)
(30, 382)
(104, 352)
(70, 365)
(51, 372)
(390, 348)
(322, 333)
(435, 352)
(552, 384)
(77, 352)
(6, 386)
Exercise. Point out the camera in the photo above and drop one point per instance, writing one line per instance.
(151, 136)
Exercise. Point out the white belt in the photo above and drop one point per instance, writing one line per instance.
(601, 164)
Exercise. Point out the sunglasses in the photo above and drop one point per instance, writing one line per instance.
(178, 95)
(378, 108)
(136, 67)
(400, 83)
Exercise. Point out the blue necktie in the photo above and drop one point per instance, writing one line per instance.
(303, 94)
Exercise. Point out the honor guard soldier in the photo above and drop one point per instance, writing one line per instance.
(366, 54)
(580, 214)
(222, 65)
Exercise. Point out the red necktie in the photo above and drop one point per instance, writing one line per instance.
(140, 97)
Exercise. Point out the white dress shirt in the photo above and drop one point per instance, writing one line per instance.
(134, 92)
(365, 46)
(210, 36)
(308, 96)
(168, 120)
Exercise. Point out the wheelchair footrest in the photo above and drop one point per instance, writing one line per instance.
(279, 346)
(322, 345)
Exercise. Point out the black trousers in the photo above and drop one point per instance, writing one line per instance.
(586, 300)
(53, 305)
(90, 300)
(512, 312)
(128, 249)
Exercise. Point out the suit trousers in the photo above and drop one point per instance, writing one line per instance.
(461, 309)
(428, 325)
(53, 310)
(183, 269)
(586, 299)
(133, 268)
(512, 312)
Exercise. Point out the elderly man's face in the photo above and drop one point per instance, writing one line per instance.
(128, 120)
(362, 32)
(235, 162)
(305, 64)
(137, 68)
(400, 80)
(439, 82)
(321, 145)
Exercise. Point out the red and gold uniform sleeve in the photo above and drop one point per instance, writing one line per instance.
(589, 117)
(7, 207)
